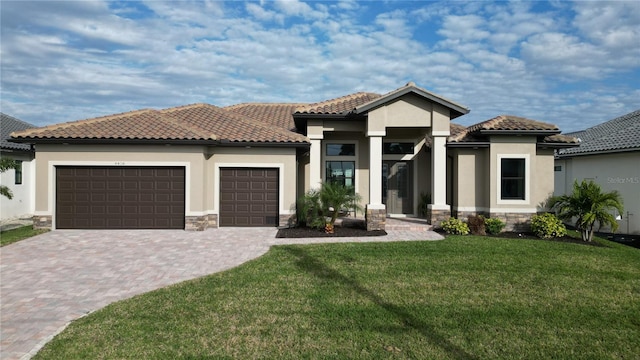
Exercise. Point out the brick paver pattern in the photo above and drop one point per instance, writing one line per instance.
(52, 279)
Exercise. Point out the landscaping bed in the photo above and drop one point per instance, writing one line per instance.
(351, 230)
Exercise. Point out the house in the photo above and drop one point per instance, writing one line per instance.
(21, 180)
(609, 155)
(200, 166)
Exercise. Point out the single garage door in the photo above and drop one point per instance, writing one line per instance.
(248, 197)
(111, 197)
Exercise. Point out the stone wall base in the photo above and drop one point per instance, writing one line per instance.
(43, 222)
(200, 223)
(514, 221)
(287, 220)
(376, 219)
(436, 217)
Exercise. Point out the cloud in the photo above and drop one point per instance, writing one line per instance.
(71, 60)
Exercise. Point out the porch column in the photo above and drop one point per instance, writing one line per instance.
(315, 164)
(376, 211)
(438, 210)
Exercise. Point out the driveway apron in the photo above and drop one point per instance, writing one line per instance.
(51, 279)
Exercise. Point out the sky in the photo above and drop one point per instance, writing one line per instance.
(574, 64)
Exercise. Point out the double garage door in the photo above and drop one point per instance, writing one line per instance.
(112, 197)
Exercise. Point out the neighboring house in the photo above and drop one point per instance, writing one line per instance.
(609, 154)
(21, 180)
(200, 166)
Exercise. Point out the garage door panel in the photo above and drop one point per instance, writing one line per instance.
(120, 197)
(248, 197)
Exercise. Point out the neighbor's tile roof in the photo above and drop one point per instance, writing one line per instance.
(619, 134)
(191, 122)
(9, 124)
(338, 106)
(279, 115)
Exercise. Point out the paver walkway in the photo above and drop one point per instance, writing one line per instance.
(51, 279)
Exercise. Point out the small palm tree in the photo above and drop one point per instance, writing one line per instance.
(334, 197)
(6, 164)
(589, 205)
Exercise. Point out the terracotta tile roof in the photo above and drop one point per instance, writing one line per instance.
(508, 123)
(191, 122)
(9, 124)
(512, 123)
(231, 126)
(279, 115)
(342, 105)
(616, 135)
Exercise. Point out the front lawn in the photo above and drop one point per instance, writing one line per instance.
(465, 297)
(10, 236)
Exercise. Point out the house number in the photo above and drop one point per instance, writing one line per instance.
(119, 163)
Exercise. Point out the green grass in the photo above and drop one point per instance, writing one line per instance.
(21, 233)
(465, 297)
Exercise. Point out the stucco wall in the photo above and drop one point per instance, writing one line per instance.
(619, 171)
(22, 203)
(49, 156)
(471, 180)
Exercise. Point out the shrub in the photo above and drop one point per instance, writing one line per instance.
(494, 226)
(455, 227)
(476, 224)
(423, 205)
(547, 225)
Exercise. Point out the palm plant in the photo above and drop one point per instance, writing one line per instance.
(6, 164)
(334, 197)
(589, 205)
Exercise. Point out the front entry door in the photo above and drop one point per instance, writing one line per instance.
(397, 186)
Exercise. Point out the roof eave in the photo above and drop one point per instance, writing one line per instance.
(543, 145)
(120, 141)
(468, 144)
(602, 152)
(227, 143)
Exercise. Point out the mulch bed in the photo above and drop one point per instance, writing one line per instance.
(338, 231)
(532, 236)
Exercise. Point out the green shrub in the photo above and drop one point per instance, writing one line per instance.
(547, 225)
(494, 226)
(476, 224)
(423, 205)
(455, 227)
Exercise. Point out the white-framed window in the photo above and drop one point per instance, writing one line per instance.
(18, 172)
(340, 162)
(514, 179)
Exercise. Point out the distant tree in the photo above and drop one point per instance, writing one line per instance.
(589, 205)
(6, 164)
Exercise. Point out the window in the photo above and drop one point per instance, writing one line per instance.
(397, 148)
(341, 172)
(512, 176)
(18, 172)
(341, 149)
(557, 168)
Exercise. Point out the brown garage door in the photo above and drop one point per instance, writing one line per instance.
(248, 197)
(108, 197)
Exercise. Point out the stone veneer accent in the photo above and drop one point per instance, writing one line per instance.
(513, 221)
(287, 220)
(43, 222)
(200, 223)
(376, 219)
(435, 217)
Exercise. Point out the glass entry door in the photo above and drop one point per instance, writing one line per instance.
(397, 186)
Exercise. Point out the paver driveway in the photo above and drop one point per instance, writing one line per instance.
(51, 279)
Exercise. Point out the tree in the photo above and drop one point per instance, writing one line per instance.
(589, 205)
(318, 205)
(6, 164)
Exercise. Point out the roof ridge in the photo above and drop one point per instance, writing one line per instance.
(164, 115)
(337, 100)
(69, 124)
(234, 106)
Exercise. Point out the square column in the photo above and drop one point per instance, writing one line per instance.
(438, 210)
(315, 164)
(376, 212)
